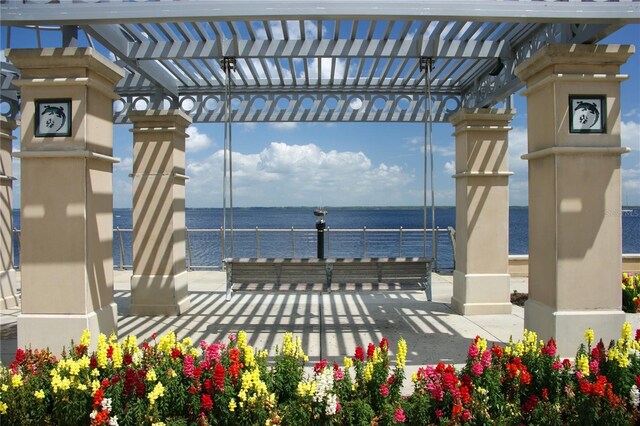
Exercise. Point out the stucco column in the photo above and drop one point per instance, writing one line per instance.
(481, 278)
(8, 285)
(575, 226)
(66, 257)
(159, 281)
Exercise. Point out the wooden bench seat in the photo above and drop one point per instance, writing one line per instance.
(328, 271)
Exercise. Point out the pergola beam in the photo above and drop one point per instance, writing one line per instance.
(624, 11)
(325, 48)
(114, 40)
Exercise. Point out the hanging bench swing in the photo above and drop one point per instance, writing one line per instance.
(312, 271)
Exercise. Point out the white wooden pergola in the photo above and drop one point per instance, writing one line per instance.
(163, 65)
(309, 61)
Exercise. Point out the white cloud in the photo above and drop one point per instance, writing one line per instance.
(630, 134)
(293, 29)
(450, 167)
(197, 141)
(284, 175)
(285, 125)
(326, 64)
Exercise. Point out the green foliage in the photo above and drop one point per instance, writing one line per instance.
(171, 382)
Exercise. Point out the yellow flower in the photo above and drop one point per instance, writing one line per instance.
(626, 331)
(85, 339)
(151, 375)
(95, 385)
(232, 405)
(582, 364)
(348, 362)
(101, 352)
(414, 378)
(156, 393)
(377, 356)
(82, 387)
(39, 394)
(368, 372)
(401, 356)
(242, 339)
(3, 408)
(167, 343)
(5, 388)
(158, 424)
(589, 336)
(16, 381)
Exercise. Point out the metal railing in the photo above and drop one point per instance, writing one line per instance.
(203, 247)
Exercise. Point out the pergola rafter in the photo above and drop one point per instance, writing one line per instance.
(295, 57)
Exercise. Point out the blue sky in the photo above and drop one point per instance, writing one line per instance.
(352, 164)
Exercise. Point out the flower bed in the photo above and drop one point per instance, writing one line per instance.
(171, 382)
(630, 293)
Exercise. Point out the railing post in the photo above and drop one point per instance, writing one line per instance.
(120, 249)
(328, 242)
(16, 235)
(257, 242)
(400, 243)
(189, 258)
(293, 243)
(435, 250)
(452, 238)
(222, 249)
(364, 241)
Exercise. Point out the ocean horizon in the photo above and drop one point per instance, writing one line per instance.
(256, 236)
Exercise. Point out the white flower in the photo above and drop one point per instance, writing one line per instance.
(93, 414)
(332, 405)
(106, 404)
(634, 396)
(113, 421)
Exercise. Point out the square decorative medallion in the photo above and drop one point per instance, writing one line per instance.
(587, 114)
(53, 117)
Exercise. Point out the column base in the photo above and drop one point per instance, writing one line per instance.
(159, 295)
(55, 331)
(568, 327)
(8, 290)
(481, 294)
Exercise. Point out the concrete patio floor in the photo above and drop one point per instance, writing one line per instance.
(330, 325)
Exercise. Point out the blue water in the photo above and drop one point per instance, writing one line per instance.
(206, 248)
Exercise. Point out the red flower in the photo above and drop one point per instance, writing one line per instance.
(97, 398)
(384, 344)
(359, 353)
(110, 352)
(207, 403)
(218, 376)
(192, 390)
(497, 351)
(530, 404)
(321, 365)
(370, 350)
(384, 390)
(93, 362)
(175, 353)
(80, 350)
(398, 416)
(127, 359)
(105, 383)
(545, 394)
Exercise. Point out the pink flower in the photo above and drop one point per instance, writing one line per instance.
(338, 374)
(439, 413)
(188, 368)
(557, 365)
(486, 358)
(473, 351)
(398, 416)
(477, 369)
(594, 367)
(384, 390)
(465, 416)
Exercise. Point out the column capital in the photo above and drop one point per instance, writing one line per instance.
(159, 119)
(480, 116)
(575, 58)
(68, 62)
(7, 123)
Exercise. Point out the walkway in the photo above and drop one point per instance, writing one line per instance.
(330, 325)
